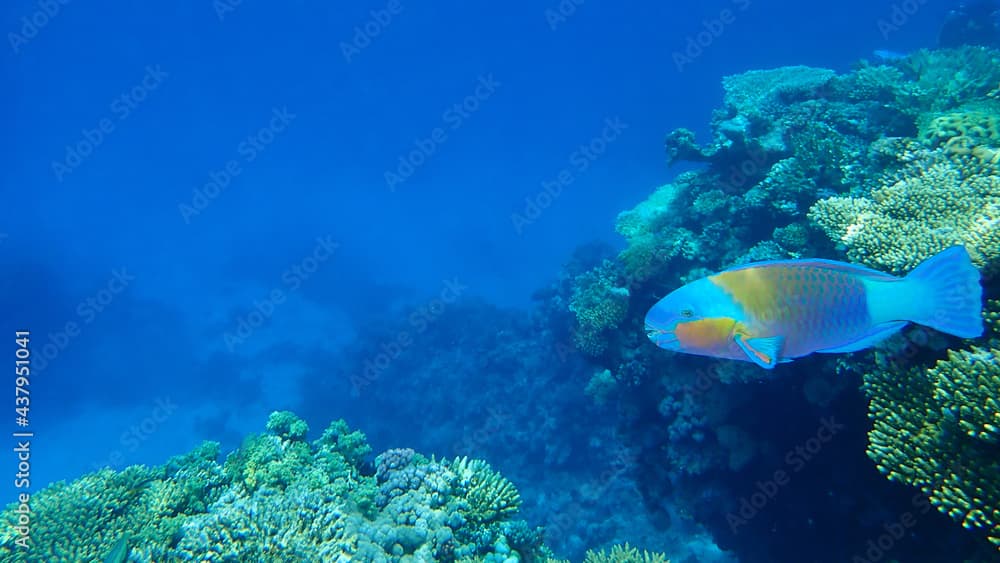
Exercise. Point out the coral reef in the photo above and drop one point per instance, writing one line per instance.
(939, 430)
(599, 304)
(88, 519)
(887, 164)
(936, 202)
(624, 554)
(281, 498)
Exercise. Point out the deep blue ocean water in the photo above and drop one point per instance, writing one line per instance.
(205, 202)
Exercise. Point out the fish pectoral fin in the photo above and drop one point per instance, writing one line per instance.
(764, 352)
(875, 335)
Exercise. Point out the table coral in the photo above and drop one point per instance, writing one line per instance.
(759, 92)
(934, 203)
(937, 429)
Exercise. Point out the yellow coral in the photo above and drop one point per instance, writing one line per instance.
(490, 495)
(936, 202)
(977, 126)
(937, 429)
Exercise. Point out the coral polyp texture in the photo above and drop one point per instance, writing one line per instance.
(281, 498)
(933, 203)
(600, 303)
(939, 429)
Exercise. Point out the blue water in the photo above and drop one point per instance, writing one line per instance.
(138, 279)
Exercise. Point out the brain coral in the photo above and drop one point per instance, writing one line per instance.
(934, 203)
(939, 430)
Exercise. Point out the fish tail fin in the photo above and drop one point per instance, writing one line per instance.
(953, 293)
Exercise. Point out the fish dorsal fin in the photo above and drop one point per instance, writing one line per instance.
(816, 263)
(764, 352)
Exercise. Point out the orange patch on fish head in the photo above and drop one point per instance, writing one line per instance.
(705, 335)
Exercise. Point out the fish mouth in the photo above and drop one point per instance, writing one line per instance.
(662, 338)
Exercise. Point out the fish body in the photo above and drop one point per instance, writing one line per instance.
(773, 312)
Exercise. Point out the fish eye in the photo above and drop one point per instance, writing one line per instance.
(687, 313)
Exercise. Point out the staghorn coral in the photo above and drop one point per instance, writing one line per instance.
(934, 203)
(624, 554)
(937, 429)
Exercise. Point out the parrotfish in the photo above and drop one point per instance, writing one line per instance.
(771, 312)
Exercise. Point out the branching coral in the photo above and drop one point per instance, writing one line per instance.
(281, 498)
(625, 554)
(943, 79)
(937, 429)
(87, 519)
(489, 495)
(934, 203)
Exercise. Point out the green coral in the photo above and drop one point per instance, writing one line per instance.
(279, 498)
(937, 429)
(971, 127)
(934, 203)
(339, 438)
(489, 496)
(87, 519)
(624, 554)
(943, 79)
(287, 426)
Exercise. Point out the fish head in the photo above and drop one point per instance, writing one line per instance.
(697, 318)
